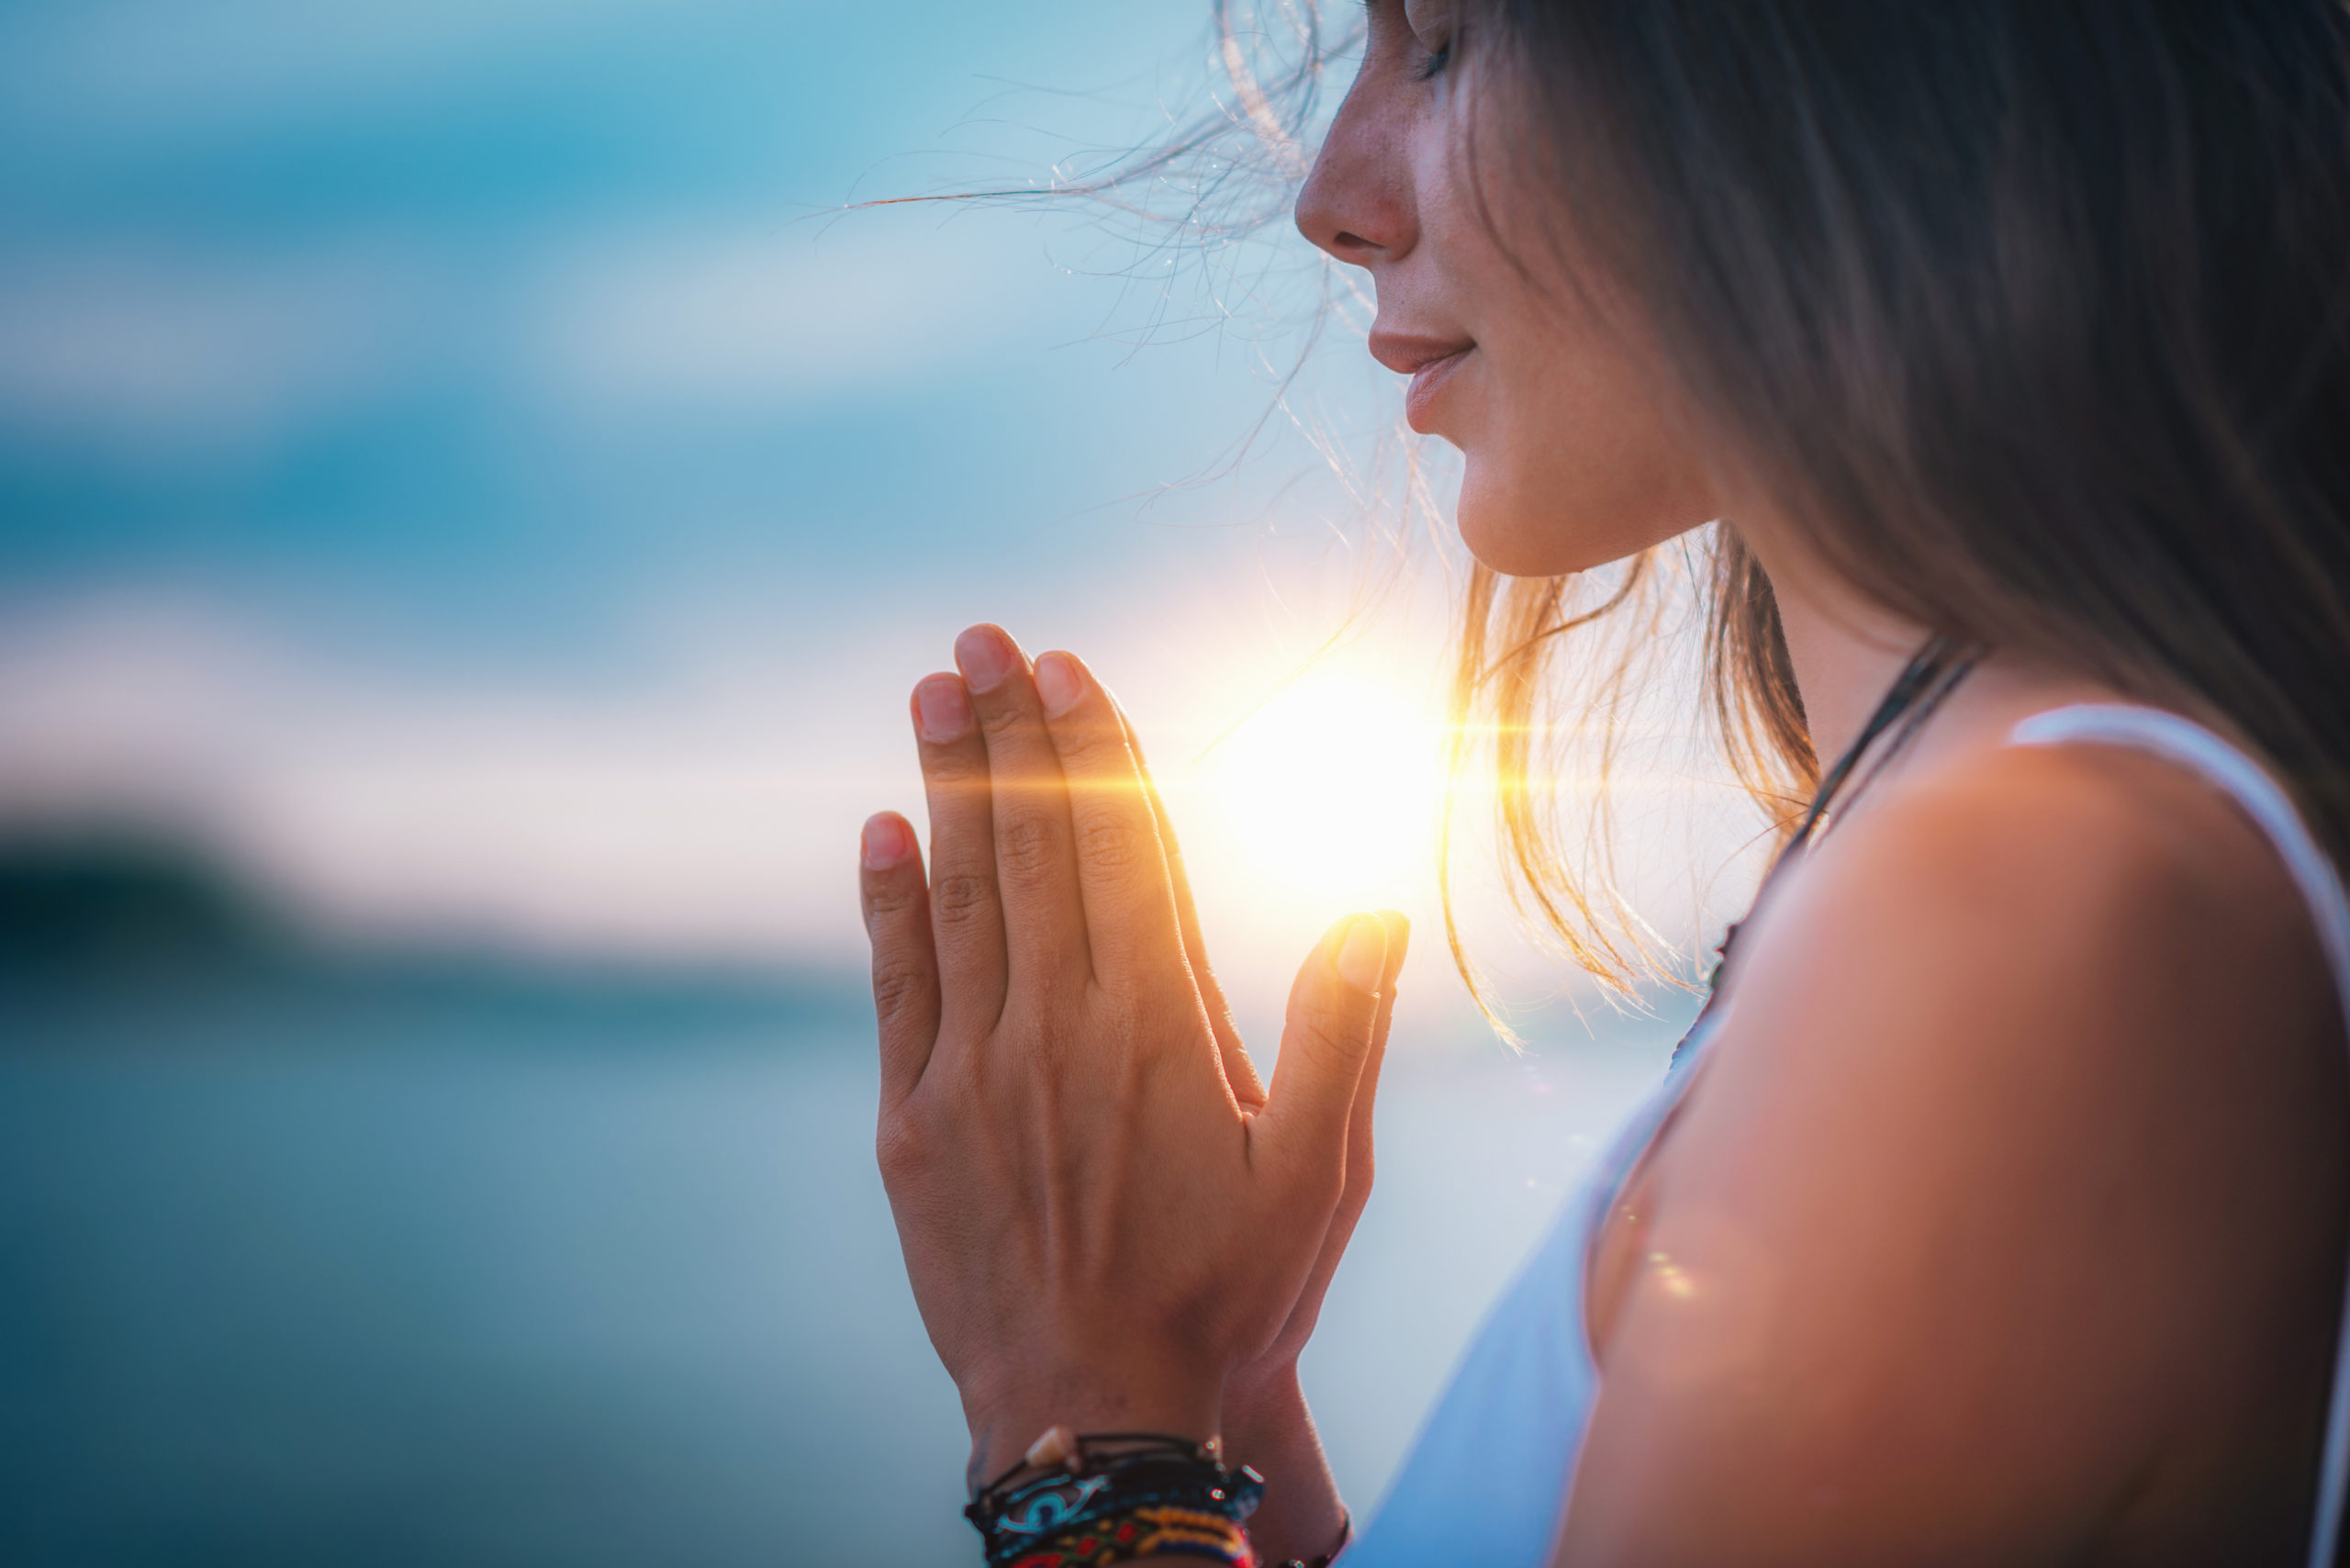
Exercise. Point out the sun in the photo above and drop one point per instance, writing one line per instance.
(1323, 798)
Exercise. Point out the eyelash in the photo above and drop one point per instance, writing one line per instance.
(1439, 58)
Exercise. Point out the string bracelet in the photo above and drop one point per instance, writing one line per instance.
(1346, 1535)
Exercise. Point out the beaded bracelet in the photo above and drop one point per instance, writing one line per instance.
(1110, 1497)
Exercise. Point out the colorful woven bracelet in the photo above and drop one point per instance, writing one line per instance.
(1153, 1530)
(1109, 1497)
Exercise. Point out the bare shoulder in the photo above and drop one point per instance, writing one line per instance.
(2068, 885)
(2034, 959)
(1994, 1208)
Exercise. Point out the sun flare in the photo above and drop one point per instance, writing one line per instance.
(1323, 798)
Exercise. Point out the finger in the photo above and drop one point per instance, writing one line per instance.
(1398, 927)
(905, 969)
(1239, 1070)
(1325, 1045)
(1035, 867)
(1355, 1193)
(1131, 927)
(965, 916)
(1361, 1126)
(1360, 1161)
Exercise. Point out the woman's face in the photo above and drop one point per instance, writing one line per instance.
(1554, 395)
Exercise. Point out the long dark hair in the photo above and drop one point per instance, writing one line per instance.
(2034, 313)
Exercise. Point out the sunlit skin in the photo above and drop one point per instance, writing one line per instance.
(2005, 1224)
(1108, 1221)
(1546, 383)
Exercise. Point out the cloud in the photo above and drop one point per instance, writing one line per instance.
(186, 350)
(695, 816)
(697, 320)
(707, 808)
(150, 349)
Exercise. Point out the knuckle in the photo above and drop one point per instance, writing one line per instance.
(899, 1146)
(960, 897)
(1107, 843)
(1000, 718)
(1093, 746)
(955, 767)
(1026, 848)
(890, 897)
(898, 987)
(959, 789)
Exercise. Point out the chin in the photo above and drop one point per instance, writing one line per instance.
(1508, 531)
(1525, 526)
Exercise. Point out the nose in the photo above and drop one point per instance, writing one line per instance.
(1356, 204)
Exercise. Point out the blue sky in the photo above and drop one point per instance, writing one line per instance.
(456, 458)
(484, 313)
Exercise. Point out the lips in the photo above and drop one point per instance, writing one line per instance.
(1430, 362)
(1419, 398)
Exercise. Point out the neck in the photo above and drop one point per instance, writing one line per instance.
(1846, 652)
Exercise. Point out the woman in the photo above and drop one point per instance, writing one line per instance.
(1995, 1210)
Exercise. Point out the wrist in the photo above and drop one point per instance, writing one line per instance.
(1264, 1407)
(1267, 1426)
(1165, 1400)
(1267, 1418)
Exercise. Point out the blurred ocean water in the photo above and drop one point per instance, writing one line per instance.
(351, 1260)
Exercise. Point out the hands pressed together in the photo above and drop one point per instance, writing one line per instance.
(1109, 1222)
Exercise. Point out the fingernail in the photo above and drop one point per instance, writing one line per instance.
(1365, 953)
(985, 656)
(1058, 684)
(1399, 936)
(887, 840)
(943, 709)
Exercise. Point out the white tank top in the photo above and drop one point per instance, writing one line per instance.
(1489, 1472)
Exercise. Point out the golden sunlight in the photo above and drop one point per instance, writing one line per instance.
(1323, 798)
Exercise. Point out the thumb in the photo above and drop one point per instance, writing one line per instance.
(1333, 1012)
